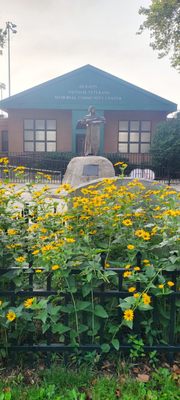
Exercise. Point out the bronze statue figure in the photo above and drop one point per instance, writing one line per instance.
(92, 123)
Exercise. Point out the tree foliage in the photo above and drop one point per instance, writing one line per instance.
(163, 22)
(2, 39)
(165, 146)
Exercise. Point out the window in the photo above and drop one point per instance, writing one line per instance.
(4, 136)
(134, 136)
(39, 135)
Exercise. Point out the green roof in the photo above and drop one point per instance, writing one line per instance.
(86, 86)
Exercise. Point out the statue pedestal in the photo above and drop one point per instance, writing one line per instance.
(86, 169)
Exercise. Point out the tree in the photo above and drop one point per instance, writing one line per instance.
(165, 147)
(163, 22)
(2, 39)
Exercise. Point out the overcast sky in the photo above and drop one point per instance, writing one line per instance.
(58, 36)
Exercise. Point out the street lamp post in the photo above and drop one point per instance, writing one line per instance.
(10, 27)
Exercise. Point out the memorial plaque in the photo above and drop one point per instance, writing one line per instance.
(91, 170)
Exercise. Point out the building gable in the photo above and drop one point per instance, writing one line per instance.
(84, 86)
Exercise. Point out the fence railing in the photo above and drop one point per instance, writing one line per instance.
(30, 175)
(58, 162)
(47, 342)
(40, 161)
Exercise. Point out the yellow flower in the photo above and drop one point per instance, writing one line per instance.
(4, 160)
(107, 265)
(1, 302)
(154, 230)
(129, 315)
(130, 247)
(127, 222)
(12, 232)
(20, 168)
(116, 207)
(160, 286)
(35, 252)
(38, 271)
(157, 208)
(127, 274)
(70, 240)
(64, 186)
(137, 268)
(146, 298)
(127, 266)
(47, 177)
(146, 261)
(43, 230)
(146, 236)
(139, 232)
(20, 259)
(131, 289)
(48, 247)
(33, 227)
(170, 283)
(118, 163)
(28, 303)
(136, 295)
(11, 316)
(55, 267)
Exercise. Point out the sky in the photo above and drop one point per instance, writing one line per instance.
(57, 36)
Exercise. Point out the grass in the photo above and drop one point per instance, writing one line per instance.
(59, 383)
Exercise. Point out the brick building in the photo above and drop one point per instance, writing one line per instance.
(44, 118)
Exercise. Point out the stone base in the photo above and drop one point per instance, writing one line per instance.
(81, 170)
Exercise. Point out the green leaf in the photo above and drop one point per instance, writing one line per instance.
(170, 267)
(115, 343)
(68, 308)
(52, 309)
(89, 277)
(82, 305)
(45, 327)
(60, 328)
(105, 347)
(173, 259)
(82, 328)
(7, 396)
(145, 307)
(112, 329)
(150, 272)
(110, 273)
(128, 323)
(42, 315)
(42, 304)
(86, 290)
(99, 311)
(127, 303)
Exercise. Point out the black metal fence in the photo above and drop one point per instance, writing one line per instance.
(40, 161)
(48, 343)
(58, 162)
(41, 176)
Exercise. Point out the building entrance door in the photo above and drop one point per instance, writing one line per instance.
(80, 140)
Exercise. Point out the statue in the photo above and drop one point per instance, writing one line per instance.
(92, 123)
